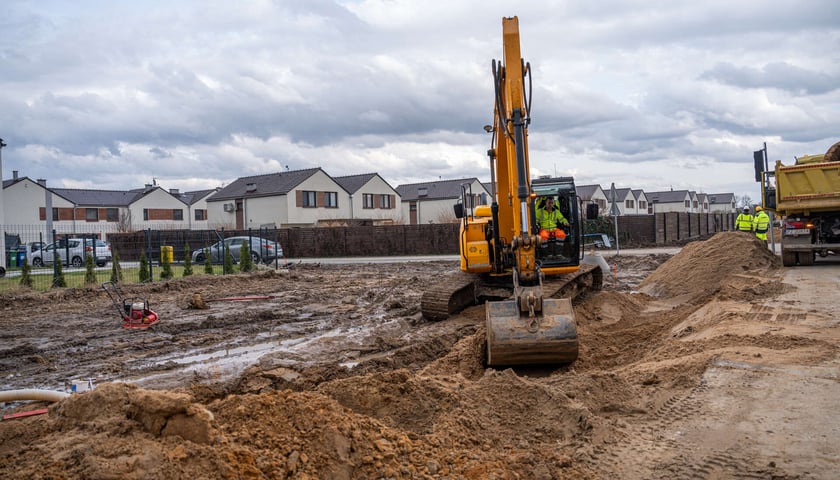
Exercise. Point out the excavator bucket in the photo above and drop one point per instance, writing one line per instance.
(516, 339)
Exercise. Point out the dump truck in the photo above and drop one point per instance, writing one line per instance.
(806, 197)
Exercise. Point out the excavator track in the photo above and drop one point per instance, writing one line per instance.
(458, 291)
(452, 294)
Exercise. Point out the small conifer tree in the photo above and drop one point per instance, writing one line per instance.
(228, 261)
(208, 261)
(246, 263)
(116, 269)
(59, 280)
(144, 268)
(90, 272)
(187, 261)
(25, 276)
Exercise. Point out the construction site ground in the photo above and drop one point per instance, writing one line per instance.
(714, 362)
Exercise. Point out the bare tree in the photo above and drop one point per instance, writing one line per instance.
(744, 201)
(124, 223)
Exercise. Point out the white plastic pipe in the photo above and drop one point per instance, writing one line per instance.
(32, 394)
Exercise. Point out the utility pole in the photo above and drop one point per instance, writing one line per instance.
(2, 214)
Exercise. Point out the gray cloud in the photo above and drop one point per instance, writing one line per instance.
(197, 94)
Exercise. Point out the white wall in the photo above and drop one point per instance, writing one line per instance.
(157, 199)
(377, 186)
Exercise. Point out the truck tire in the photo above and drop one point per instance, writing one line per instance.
(788, 258)
(806, 259)
(833, 153)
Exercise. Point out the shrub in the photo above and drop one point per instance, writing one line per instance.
(144, 268)
(246, 263)
(90, 272)
(187, 261)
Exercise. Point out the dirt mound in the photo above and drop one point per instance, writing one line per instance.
(702, 268)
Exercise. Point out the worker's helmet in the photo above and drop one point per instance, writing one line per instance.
(758, 209)
(746, 209)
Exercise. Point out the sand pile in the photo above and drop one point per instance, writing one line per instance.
(701, 269)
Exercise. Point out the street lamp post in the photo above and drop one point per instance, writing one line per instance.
(2, 216)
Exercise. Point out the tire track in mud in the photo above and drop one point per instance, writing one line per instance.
(663, 438)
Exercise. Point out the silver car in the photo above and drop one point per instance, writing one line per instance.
(72, 252)
(262, 250)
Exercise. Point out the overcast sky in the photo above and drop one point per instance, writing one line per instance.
(647, 94)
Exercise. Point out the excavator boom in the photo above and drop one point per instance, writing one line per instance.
(505, 258)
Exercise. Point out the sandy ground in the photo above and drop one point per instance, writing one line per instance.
(711, 363)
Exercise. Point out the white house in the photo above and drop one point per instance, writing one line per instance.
(670, 201)
(297, 198)
(722, 202)
(593, 194)
(372, 198)
(433, 202)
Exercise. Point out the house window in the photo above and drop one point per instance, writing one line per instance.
(112, 214)
(385, 201)
(602, 204)
(200, 214)
(688, 204)
(92, 214)
(695, 204)
(331, 199)
(146, 214)
(177, 214)
(642, 205)
(705, 206)
(309, 198)
(629, 203)
(367, 200)
(55, 214)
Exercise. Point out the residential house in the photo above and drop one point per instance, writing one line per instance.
(433, 202)
(120, 210)
(196, 202)
(702, 203)
(593, 194)
(372, 198)
(722, 202)
(670, 201)
(297, 198)
(642, 205)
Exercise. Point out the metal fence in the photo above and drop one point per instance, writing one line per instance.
(145, 256)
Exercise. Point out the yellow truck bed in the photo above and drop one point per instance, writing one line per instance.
(807, 188)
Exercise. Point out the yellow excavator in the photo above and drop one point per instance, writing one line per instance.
(504, 257)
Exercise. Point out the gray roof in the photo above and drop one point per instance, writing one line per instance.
(437, 190)
(268, 185)
(352, 183)
(668, 196)
(721, 198)
(191, 198)
(585, 192)
(98, 198)
(637, 193)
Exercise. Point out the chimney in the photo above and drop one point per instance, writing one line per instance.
(42, 182)
(174, 191)
(14, 174)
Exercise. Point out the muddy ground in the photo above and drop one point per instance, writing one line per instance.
(711, 363)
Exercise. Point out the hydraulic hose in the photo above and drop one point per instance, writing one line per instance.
(32, 394)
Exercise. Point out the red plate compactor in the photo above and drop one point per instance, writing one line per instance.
(135, 312)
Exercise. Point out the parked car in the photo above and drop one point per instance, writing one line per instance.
(262, 250)
(72, 252)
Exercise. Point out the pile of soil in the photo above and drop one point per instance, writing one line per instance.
(422, 405)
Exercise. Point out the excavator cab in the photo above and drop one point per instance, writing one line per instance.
(556, 250)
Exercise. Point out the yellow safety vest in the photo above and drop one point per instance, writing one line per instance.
(761, 223)
(550, 220)
(744, 222)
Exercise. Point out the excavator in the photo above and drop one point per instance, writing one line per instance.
(526, 281)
